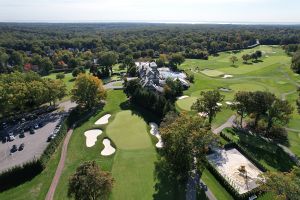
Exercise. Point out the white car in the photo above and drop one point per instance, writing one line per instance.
(11, 138)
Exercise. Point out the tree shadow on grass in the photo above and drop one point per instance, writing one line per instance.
(167, 186)
(269, 152)
(141, 112)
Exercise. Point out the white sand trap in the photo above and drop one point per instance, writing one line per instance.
(227, 76)
(91, 137)
(229, 103)
(154, 131)
(229, 162)
(103, 120)
(202, 114)
(182, 97)
(108, 149)
(219, 104)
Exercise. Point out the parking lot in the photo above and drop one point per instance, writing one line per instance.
(34, 144)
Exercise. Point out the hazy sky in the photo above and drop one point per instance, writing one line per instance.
(278, 11)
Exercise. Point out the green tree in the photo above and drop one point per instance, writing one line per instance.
(233, 59)
(242, 104)
(57, 90)
(89, 182)
(207, 103)
(282, 186)
(246, 58)
(175, 60)
(185, 143)
(279, 112)
(45, 66)
(88, 91)
(296, 62)
(77, 71)
(108, 59)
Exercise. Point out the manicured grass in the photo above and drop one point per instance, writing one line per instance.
(294, 142)
(217, 189)
(133, 164)
(212, 72)
(185, 104)
(117, 84)
(129, 131)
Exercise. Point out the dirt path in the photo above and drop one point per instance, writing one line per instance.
(60, 167)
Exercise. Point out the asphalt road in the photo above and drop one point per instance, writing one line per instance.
(35, 143)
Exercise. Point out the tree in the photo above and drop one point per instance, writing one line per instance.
(207, 103)
(77, 71)
(175, 60)
(186, 139)
(233, 59)
(89, 182)
(282, 186)
(131, 86)
(73, 63)
(88, 91)
(172, 89)
(16, 58)
(246, 57)
(296, 62)
(56, 90)
(279, 112)
(241, 104)
(45, 66)
(60, 76)
(108, 59)
(260, 103)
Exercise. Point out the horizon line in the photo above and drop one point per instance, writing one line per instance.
(151, 22)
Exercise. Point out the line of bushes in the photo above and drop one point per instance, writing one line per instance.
(27, 171)
(234, 193)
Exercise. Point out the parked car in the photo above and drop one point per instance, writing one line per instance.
(51, 137)
(21, 147)
(22, 134)
(14, 148)
(11, 137)
(36, 126)
(31, 131)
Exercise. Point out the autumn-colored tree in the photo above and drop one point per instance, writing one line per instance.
(88, 91)
(185, 139)
(89, 182)
(207, 103)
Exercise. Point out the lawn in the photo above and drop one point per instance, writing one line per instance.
(133, 164)
(294, 142)
(212, 72)
(217, 189)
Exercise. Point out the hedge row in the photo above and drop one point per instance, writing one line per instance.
(20, 174)
(234, 193)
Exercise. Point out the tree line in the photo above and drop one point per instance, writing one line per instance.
(20, 92)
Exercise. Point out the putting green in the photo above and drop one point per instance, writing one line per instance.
(129, 131)
(212, 72)
(185, 104)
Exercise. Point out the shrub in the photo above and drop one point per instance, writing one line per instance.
(60, 76)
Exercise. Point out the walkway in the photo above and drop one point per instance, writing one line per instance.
(228, 124)
(60, 167)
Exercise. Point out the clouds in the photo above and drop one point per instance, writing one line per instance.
(150, 10)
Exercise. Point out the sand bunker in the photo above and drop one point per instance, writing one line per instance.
(229, 162)
(103, 120)
(182, 97)
(227, 76)
(91, 137)
(154, 131)
(219, 104)
(229, 103)
(108, 149)
(203, 114)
